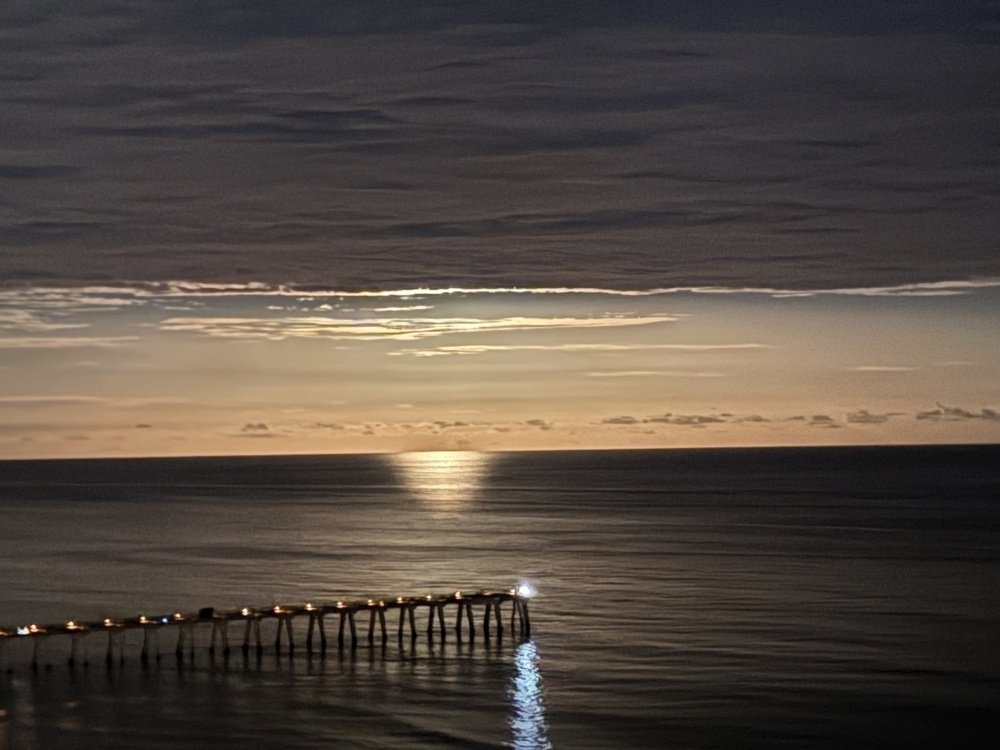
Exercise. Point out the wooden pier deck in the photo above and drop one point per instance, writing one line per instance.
(248, 622)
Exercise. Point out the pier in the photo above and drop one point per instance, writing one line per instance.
(247, 622)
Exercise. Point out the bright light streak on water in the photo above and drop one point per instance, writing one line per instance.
(444, 480)
(527, 721)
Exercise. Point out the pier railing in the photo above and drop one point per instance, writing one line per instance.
(249, 620)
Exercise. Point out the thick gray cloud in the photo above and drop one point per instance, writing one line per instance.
(386, 144)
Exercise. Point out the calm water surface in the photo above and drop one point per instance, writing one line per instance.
(807, 598)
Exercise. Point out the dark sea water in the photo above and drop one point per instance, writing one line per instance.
(800, 598)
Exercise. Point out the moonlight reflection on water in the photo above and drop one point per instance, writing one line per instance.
(443, 480)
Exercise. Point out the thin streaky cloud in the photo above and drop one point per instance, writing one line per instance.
(44, 400)
(624, 374)
(467, 349)
(379, 329)
(66, 342)
(652, 373)
(881, 368)
(103, 295)
(125, 402)
(28, 322)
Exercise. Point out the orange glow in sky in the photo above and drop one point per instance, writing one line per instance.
(169, 370)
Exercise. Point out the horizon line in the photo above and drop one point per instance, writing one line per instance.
(507, 451)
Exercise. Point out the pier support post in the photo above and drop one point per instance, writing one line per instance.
(247, 627)
(472, 623)
(220, 625)
(74, 647)
(286, 622)
(354, 628)
(115, 635)
(499, 617)
(440, 613)
(316, 623)
(146, 639)
(35, 647)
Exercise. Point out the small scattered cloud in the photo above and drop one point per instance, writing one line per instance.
(823, 421)
(620, 420)
(256, 430)
(541, 424)
(863, 416)
(952, 414)
(686, 420)
(444, 424)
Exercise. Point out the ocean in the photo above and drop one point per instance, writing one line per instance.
(764, 598)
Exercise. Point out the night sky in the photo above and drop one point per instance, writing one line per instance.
(191, 193)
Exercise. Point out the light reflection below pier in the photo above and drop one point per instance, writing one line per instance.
(527, 720)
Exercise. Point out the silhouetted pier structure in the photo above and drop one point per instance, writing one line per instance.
(251, 619)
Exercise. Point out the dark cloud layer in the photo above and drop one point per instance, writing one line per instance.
(388, 143)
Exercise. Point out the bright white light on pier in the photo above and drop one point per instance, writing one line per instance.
(445, 480)
(525, 590)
